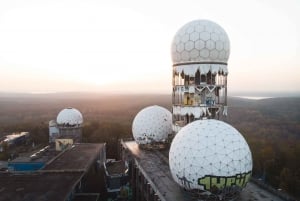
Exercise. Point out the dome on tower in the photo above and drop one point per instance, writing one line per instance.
(69, 117)
(210, 156)
(200, 41)
(152, 124)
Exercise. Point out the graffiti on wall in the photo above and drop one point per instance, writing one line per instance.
(211, 182)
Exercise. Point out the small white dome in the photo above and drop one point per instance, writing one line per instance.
(200, 41)
(210, 155)
(69, 117)
(152, 124)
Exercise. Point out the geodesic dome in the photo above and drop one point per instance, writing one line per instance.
(69, 117)
(152, 124)
(200, 41)
(210, 156)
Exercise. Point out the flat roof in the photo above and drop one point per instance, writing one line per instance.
(77, 158)
(40, 154)
(155, 164)
(24, 159)
(45, 186)
(115, 167)
(56, 181)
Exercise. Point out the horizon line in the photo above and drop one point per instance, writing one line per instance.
(268, 94)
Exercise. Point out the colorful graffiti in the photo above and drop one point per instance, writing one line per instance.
(211, 182)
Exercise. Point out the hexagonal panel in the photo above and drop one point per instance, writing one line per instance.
(189, 45)
(178, 56)
(222, 54)
(194, 53)
(217, 30)
(219, 45)
(180, 47)
(214, 36)
(204, 53)
(210, 44)
(222, 37)
(227, 54)
(185, 56)
(177, 39)
(194, 36)
(190, 29)
(214, 54)
(199, 28)
(185, 38)
(209, 28)
(226, 46)
(199, 44)
(204, 36)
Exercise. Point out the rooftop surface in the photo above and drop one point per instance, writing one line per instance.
(44, 186)
(55, 181)
(37, 154)
(115, 167)
(155, 165)
(77, 158)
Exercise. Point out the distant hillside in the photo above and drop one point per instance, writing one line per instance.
(281, 107)
(279, 115)
(42, 108)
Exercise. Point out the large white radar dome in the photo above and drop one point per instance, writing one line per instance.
(212, 156)
(152, 124)
(200, 41)
(69, 117)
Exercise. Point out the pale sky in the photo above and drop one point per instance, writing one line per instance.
(124, 46)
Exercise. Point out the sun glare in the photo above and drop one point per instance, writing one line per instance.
(83, 43)
(102, 43)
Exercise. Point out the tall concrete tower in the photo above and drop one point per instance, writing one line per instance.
(200, 51)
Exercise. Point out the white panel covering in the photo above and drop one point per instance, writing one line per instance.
(200, 41)
(196, 111)
(209, 148)
(191, 69)
(69, 116)
(152, 124)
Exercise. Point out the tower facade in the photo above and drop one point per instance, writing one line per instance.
(200, 51)
(53, 131)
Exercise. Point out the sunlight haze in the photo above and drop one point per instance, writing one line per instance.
(124, 46)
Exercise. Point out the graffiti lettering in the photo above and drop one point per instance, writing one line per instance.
(216, 182)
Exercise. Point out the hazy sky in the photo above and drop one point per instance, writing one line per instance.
(124, 46)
